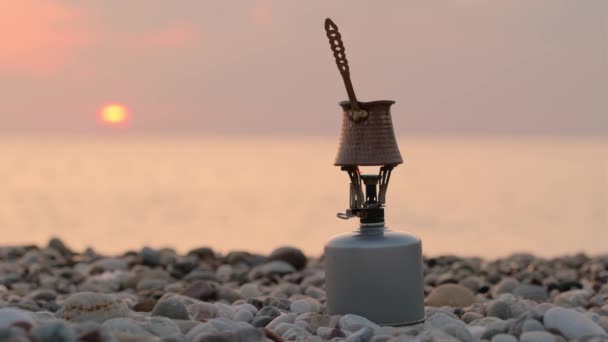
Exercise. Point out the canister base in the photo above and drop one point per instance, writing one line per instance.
(405, 324)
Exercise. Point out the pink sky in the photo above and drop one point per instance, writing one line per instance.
(264, 67)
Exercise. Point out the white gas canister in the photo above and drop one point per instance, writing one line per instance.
(376, 273)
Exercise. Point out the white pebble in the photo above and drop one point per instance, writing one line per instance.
(8, 316)
(571, 324)
(285, 318)
(537, 336)
(224, 310)
(249, 290)
(243, 315)
(303, 324)
(532, 325)
(126, 326)
(305, 305)
(504, 338)
(352, 322)
(249, 307)
(224, 273)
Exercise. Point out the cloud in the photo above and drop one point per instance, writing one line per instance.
(40, 37)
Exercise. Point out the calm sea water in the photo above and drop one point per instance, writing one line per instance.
(486, 197)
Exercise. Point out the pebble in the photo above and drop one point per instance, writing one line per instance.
(171, 308)
(473, 283)
(202, 311)
(244, 315)
(450, 295)
(175, 338)
(504, 338)
(294, 332)
(387, 338)
(10, 316)
(284, 318)
(566, 275)
(89, 306)
(149, 256)
(126, 326)
(202, 253)
(329, 333)
(532, 325)
(42, 294)
(431, 310)
(58, 245)
(224, 310)
(109, 264)
(200, 274)
(201, 289)
(321, 320)
(573, 298)
(53, 293)
(290, 255)
(506, 285)
(199, 329)
(305, 305)
(254, 310)
(304, 325)
(151, 284)
(249, 334)
(270, 311)
(603, 322)
(286, 289)
(224, 273)
(539, 311)
(283, 327)
(315, 292)
(88, 329)
(362, 335)
(471, 316)
(537, 336)
(212, 337)
(499, 309)
(276, 267)
(281, 303)
(533, 292)
(315, 279)
(250, 290)
(225, 324)
(436, 335)
(13, 334)
(458, 331)
(571, 324)
(440, 320)
(43, 317)
(228, 294)
(489, 333)
(352, 322)
(53, 332)
(261, 321)
(161, 326)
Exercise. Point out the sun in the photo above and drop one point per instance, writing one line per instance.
(114, 114)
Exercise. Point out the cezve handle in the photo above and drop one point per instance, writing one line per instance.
(337, 47)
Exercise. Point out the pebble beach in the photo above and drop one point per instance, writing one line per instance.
(53, 293)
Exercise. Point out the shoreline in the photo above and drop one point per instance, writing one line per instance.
(52, 293)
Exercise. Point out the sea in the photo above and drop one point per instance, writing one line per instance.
(474, 196)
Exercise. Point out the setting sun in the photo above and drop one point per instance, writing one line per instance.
(114, 114)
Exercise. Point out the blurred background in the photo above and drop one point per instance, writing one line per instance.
(146, 122)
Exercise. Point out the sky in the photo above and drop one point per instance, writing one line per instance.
(265, 67)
